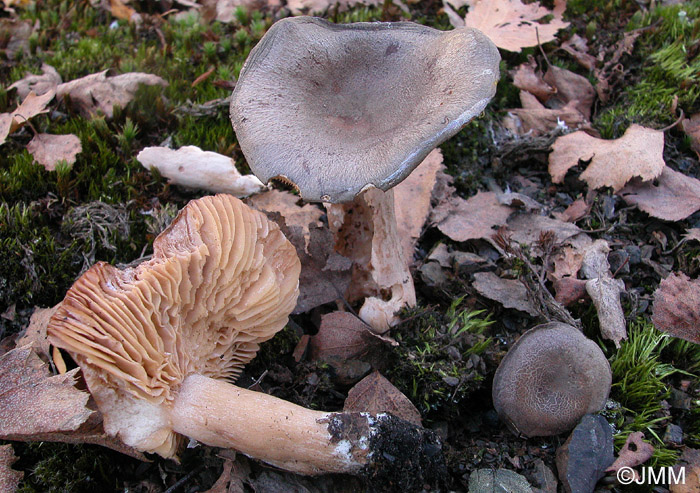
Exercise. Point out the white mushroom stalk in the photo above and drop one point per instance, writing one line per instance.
(338, 110)
(158, 345)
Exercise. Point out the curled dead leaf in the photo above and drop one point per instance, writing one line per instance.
(31, 106)
(639, 152)
(674, 197)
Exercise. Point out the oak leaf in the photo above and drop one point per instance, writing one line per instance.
(375, 394)
(674, 197)
(191, 167)
(511, 24)
(49, 150)
(639, 152)
(676, 308)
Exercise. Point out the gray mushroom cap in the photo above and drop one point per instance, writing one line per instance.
(338, 108)
(551, 377)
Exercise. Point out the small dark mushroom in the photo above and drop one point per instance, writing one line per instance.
(549, 380)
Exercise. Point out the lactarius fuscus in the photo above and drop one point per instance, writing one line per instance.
(551, 377)
(345, 112)
(157, 343)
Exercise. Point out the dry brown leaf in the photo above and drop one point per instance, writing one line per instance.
(122, 11)
(191, 167)
(577, 47)
(472, 219)
(31, 106)
(639, 152)
(568, 258)
(527, 78)
(225, 10)
(341, 336)
(633, 453)
(676, 308)
(691, 126)
(511, 24)
(570, 88)
(519, 201)
(40, 84)
(15, 35)
(511, 293)
(577, 210)
(604, 291)
(49, 150)
(526, 229)
(675, 197)
(320, 6)
(98, 93)
(290, 206)
(536, 119)
(35, 332)
(9, 478)
(569, 290)
(412, 200)
(689, 463)
(692, 234)
(375, 394)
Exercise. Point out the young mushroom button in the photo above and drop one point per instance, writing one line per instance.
(156, 344)
(338, 110)
(549, 380)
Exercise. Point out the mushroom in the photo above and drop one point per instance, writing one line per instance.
(157, 344)
(549, 380)
(338, 110)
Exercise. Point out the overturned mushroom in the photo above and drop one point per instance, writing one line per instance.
(549, 380)
(342, 109)
(157, 342)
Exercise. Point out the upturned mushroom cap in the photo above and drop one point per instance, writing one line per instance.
(550, 378)
(222, 279)
(338, 108)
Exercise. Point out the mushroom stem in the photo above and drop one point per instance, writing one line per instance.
(366, 231)
(301, 440)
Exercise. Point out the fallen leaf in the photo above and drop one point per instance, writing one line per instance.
(375, 394)
(691, 126)
(570, 88)
(569, 290)
(519, 201)
(35, 332)
(9, 478)
(225, 10)
(527, 78)
(233, 475)
(15, 35)
(40, 84)
(290, 206)
(639, 152)
(98, 93)
(692, 234)
(526, 229)
(412, 200)
(585, 455)
(320, 6)
(536, 119)
(511, 293)
(511, 24)
(122, 11)
(192, 167)
(49, 150)
(634, 452)
(342, 336)
(674, 197)
(31, 106)
(676, 308)
(567, 259)
(604, 291)
(577, 47)
(689, 463)
(472, 219)
(577, 210)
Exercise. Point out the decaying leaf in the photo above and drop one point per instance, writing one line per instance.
(569, 290)
(634, 452)
(122, 11)
(676, 308)
(639, 152)
(49, 150)
(319, 6)
(14, 36)
(225, 10)
(577, 210)
(527, 78)
(511, 293)
(674, 197)
(577, 47)
(31, 106)
(35, 332)
(9, 478)
(365, 231)
(290, 206)
(527, 229)
(32, 402)
(472, 219)
(375, 394)
(191, 167)
(98, 93)
(605, 291)
(342, 336)
(511, 24)
(40, 84)
(689, 463)
(536, 119)
(412, 200)
(567, 259)
(570, 88)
